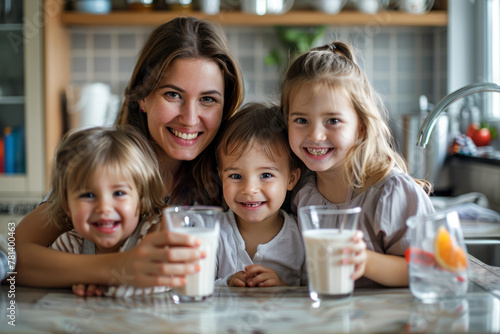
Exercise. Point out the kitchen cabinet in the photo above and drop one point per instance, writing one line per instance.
(21, 99)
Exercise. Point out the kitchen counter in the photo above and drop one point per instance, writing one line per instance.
(257, 310)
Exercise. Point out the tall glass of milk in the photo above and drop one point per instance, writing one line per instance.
(326, 231)
(203, 223)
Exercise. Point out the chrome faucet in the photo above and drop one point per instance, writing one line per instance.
(430, 120)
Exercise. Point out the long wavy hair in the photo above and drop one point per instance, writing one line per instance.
(124, 152)
(333, 65)
(182, 38)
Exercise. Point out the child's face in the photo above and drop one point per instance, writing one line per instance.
(254, 186)
(106, 211)
(323, 126)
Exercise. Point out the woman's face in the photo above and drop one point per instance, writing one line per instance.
(185, 111)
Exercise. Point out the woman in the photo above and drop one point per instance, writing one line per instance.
(185, 83)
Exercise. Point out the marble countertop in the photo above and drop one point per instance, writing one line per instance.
(255, 310)
(250, 310)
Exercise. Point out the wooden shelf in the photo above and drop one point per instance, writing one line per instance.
(154, 18)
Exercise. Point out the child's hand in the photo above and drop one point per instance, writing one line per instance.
(238, 279)
(358, 252)
(258, 275)
(83, 290)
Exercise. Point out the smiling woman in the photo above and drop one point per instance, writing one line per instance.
(185, 83)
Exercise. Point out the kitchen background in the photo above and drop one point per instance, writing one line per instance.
(403, 61)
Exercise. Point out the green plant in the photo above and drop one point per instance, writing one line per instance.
(295, 40)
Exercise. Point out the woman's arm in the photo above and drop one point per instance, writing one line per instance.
(153, 262)
(385, 269)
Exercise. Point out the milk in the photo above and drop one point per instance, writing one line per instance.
(201, 284)
(328, 277)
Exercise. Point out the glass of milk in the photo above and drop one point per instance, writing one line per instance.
(326, 231)
(203, 223)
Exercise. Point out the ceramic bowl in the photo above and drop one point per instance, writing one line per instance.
(93, 6)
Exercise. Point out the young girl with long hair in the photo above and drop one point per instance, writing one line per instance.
(338, 127)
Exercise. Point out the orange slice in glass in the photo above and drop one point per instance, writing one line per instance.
(449, 255)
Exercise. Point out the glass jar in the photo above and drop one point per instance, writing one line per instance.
(140, 5)
(179, 5)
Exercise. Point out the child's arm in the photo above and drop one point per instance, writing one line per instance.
(72, 242)
(400, 199)
(260, 276)
(118, 290)
(385, 269)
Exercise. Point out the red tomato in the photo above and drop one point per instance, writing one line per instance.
(480, 136)
(473, 127)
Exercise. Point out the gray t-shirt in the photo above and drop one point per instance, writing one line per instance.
(284, 253)
(385, 206)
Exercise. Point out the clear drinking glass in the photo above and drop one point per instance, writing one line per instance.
(326, 232)
(437, 257)
(203, 223)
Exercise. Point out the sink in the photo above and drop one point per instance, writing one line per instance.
(487, 250)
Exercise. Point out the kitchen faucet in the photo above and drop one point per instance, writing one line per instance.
(430, 120)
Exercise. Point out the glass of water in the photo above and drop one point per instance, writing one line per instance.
(437, 257)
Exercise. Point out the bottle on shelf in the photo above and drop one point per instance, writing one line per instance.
(9, 151)
(2, 156)
(14, 150)
(140, 5)
(179, 5)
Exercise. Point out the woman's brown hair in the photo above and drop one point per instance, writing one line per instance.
(186, 38)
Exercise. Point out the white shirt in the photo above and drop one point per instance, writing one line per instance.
(385, 207)
(284, 253)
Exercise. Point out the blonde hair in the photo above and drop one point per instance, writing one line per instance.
(81, 153)
(182, 38)
(333, 65)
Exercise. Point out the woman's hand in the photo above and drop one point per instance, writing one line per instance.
(358, 255)
(258, 275)
(161, 259)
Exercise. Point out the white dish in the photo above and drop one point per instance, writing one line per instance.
(93, 6)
